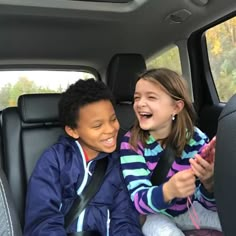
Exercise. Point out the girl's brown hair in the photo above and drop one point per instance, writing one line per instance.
(183, 126)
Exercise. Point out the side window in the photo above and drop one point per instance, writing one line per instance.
(169, 58)
(221, 46)
(15, 83)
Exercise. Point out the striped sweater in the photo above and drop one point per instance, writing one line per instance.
(137, 167)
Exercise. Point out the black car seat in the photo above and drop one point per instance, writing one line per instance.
(9, 221)
(27, 131)
(122, 73)
(225, 173)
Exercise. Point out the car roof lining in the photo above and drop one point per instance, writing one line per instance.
(90, 34)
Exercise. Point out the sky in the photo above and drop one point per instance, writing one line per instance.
(49, 79)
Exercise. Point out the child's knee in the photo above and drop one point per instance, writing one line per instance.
(163, 230)
(160, 225)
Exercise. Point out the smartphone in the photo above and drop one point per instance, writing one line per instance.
(205, 150)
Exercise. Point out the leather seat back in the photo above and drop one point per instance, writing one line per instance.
(10, 224)
(27, 131)
(225, 174)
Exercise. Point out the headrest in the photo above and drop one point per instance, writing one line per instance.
(229, 108)
(37, 108)
(122, 74)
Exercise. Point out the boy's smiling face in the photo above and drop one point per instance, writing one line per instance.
(97, 128)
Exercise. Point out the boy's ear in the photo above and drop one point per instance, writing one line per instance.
(72, 132)
(179, 106)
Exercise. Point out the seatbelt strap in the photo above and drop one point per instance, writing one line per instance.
(164, 164)
(85, 233)
(88, 193)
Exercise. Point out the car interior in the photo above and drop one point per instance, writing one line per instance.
(10, 224)
(224, 166)
(113, 41)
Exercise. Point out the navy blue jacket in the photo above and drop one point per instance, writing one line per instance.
(60, 174)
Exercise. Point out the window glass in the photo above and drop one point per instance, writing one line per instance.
(169, 58)
(15, 83)
(221, 46)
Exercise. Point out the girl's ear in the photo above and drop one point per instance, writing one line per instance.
(72, 132)
(179, 105)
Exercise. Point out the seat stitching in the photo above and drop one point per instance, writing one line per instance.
(7, 208)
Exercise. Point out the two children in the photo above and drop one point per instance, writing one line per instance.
(165, 117)
(65, 169)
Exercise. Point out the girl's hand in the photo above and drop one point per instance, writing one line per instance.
(204, 170)
(180, 185)
(207, 152)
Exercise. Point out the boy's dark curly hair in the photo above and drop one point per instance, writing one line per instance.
(79, 94)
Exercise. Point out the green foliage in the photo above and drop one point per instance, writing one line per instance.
(226, 87)
(10, 93)
(5, 96)
(222, 54)
(169, 59)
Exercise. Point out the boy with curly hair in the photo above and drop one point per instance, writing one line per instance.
(65, 169)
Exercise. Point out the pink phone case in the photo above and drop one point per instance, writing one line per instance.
(203, 152)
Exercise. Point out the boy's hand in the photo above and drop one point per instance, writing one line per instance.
(204, 170)
(180, 185)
